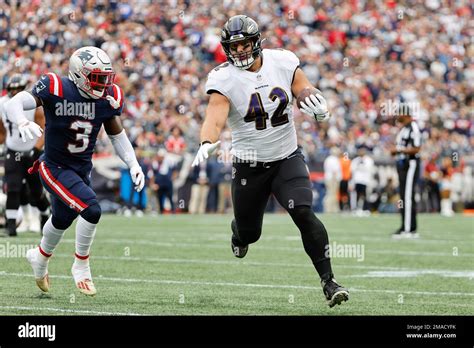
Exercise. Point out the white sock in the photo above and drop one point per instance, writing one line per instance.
(11, 214)
(85, 232)
(25, 209)
(51, 237)
(34, 213)
(446, 206)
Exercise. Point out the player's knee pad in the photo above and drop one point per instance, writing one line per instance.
(62, 222)
(304, 218)
(92, 213)
(249, 236)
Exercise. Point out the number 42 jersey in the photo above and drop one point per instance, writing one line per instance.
(72, 121)
(261, 110)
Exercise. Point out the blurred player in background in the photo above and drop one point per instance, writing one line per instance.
(363, 170)
(254, 91)
(20, 155)
(76, 107)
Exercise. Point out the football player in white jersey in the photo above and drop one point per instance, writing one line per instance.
(20, 156)
(254, 92)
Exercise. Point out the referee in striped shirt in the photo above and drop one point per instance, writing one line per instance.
(407, 154)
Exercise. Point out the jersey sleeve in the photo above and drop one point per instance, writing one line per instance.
(218, 80)
(48, 88)
(288, 61)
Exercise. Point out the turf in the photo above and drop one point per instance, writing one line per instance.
(183, 265)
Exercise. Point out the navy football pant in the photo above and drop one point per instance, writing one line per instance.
(71, 196)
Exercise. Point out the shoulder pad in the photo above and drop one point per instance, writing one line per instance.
(220, 72)
(55, 85)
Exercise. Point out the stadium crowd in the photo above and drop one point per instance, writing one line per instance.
(366, 57)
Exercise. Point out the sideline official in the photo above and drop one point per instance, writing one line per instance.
(407, 152)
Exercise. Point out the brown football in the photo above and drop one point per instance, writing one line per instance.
(306, 93)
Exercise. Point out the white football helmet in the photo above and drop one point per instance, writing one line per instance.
(90, 68)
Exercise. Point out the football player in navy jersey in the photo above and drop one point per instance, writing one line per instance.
(75, 108)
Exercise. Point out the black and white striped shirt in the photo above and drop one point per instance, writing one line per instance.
(409, 136)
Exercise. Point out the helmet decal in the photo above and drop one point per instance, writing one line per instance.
(85, 56)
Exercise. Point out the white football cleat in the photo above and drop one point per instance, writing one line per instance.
(82, 277)
(39, 263)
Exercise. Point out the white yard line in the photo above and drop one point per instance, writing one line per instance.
(203, 244)
(247, 285)
(414, 273)
(268, 236)
(257, 263)
(65, 310)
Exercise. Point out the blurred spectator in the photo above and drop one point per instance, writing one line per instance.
(162, 180)
(362, 169)
(175, 142)
(199, 189)
(432, 176)
(332, 178)
(446, 187)
(345, 163)
(389, 198)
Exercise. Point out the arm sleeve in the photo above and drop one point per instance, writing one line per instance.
(15, 107)
(124, 148)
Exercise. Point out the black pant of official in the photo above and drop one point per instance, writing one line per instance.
(16, 175)
(288, 180)
(408, 172)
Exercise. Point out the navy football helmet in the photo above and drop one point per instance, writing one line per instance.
(241, 28)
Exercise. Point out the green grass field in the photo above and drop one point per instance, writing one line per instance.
(183, 265)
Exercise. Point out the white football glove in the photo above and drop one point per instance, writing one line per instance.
(28, 128)
(138, 177)
(113, 102)
(316, 106)
(204, 151)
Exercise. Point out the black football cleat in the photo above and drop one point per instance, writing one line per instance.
(335, 293)
(398, 234)
(238, 251)
(11, 228)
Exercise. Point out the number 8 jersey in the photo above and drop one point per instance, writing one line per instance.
(261, 110)
(72, 121)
